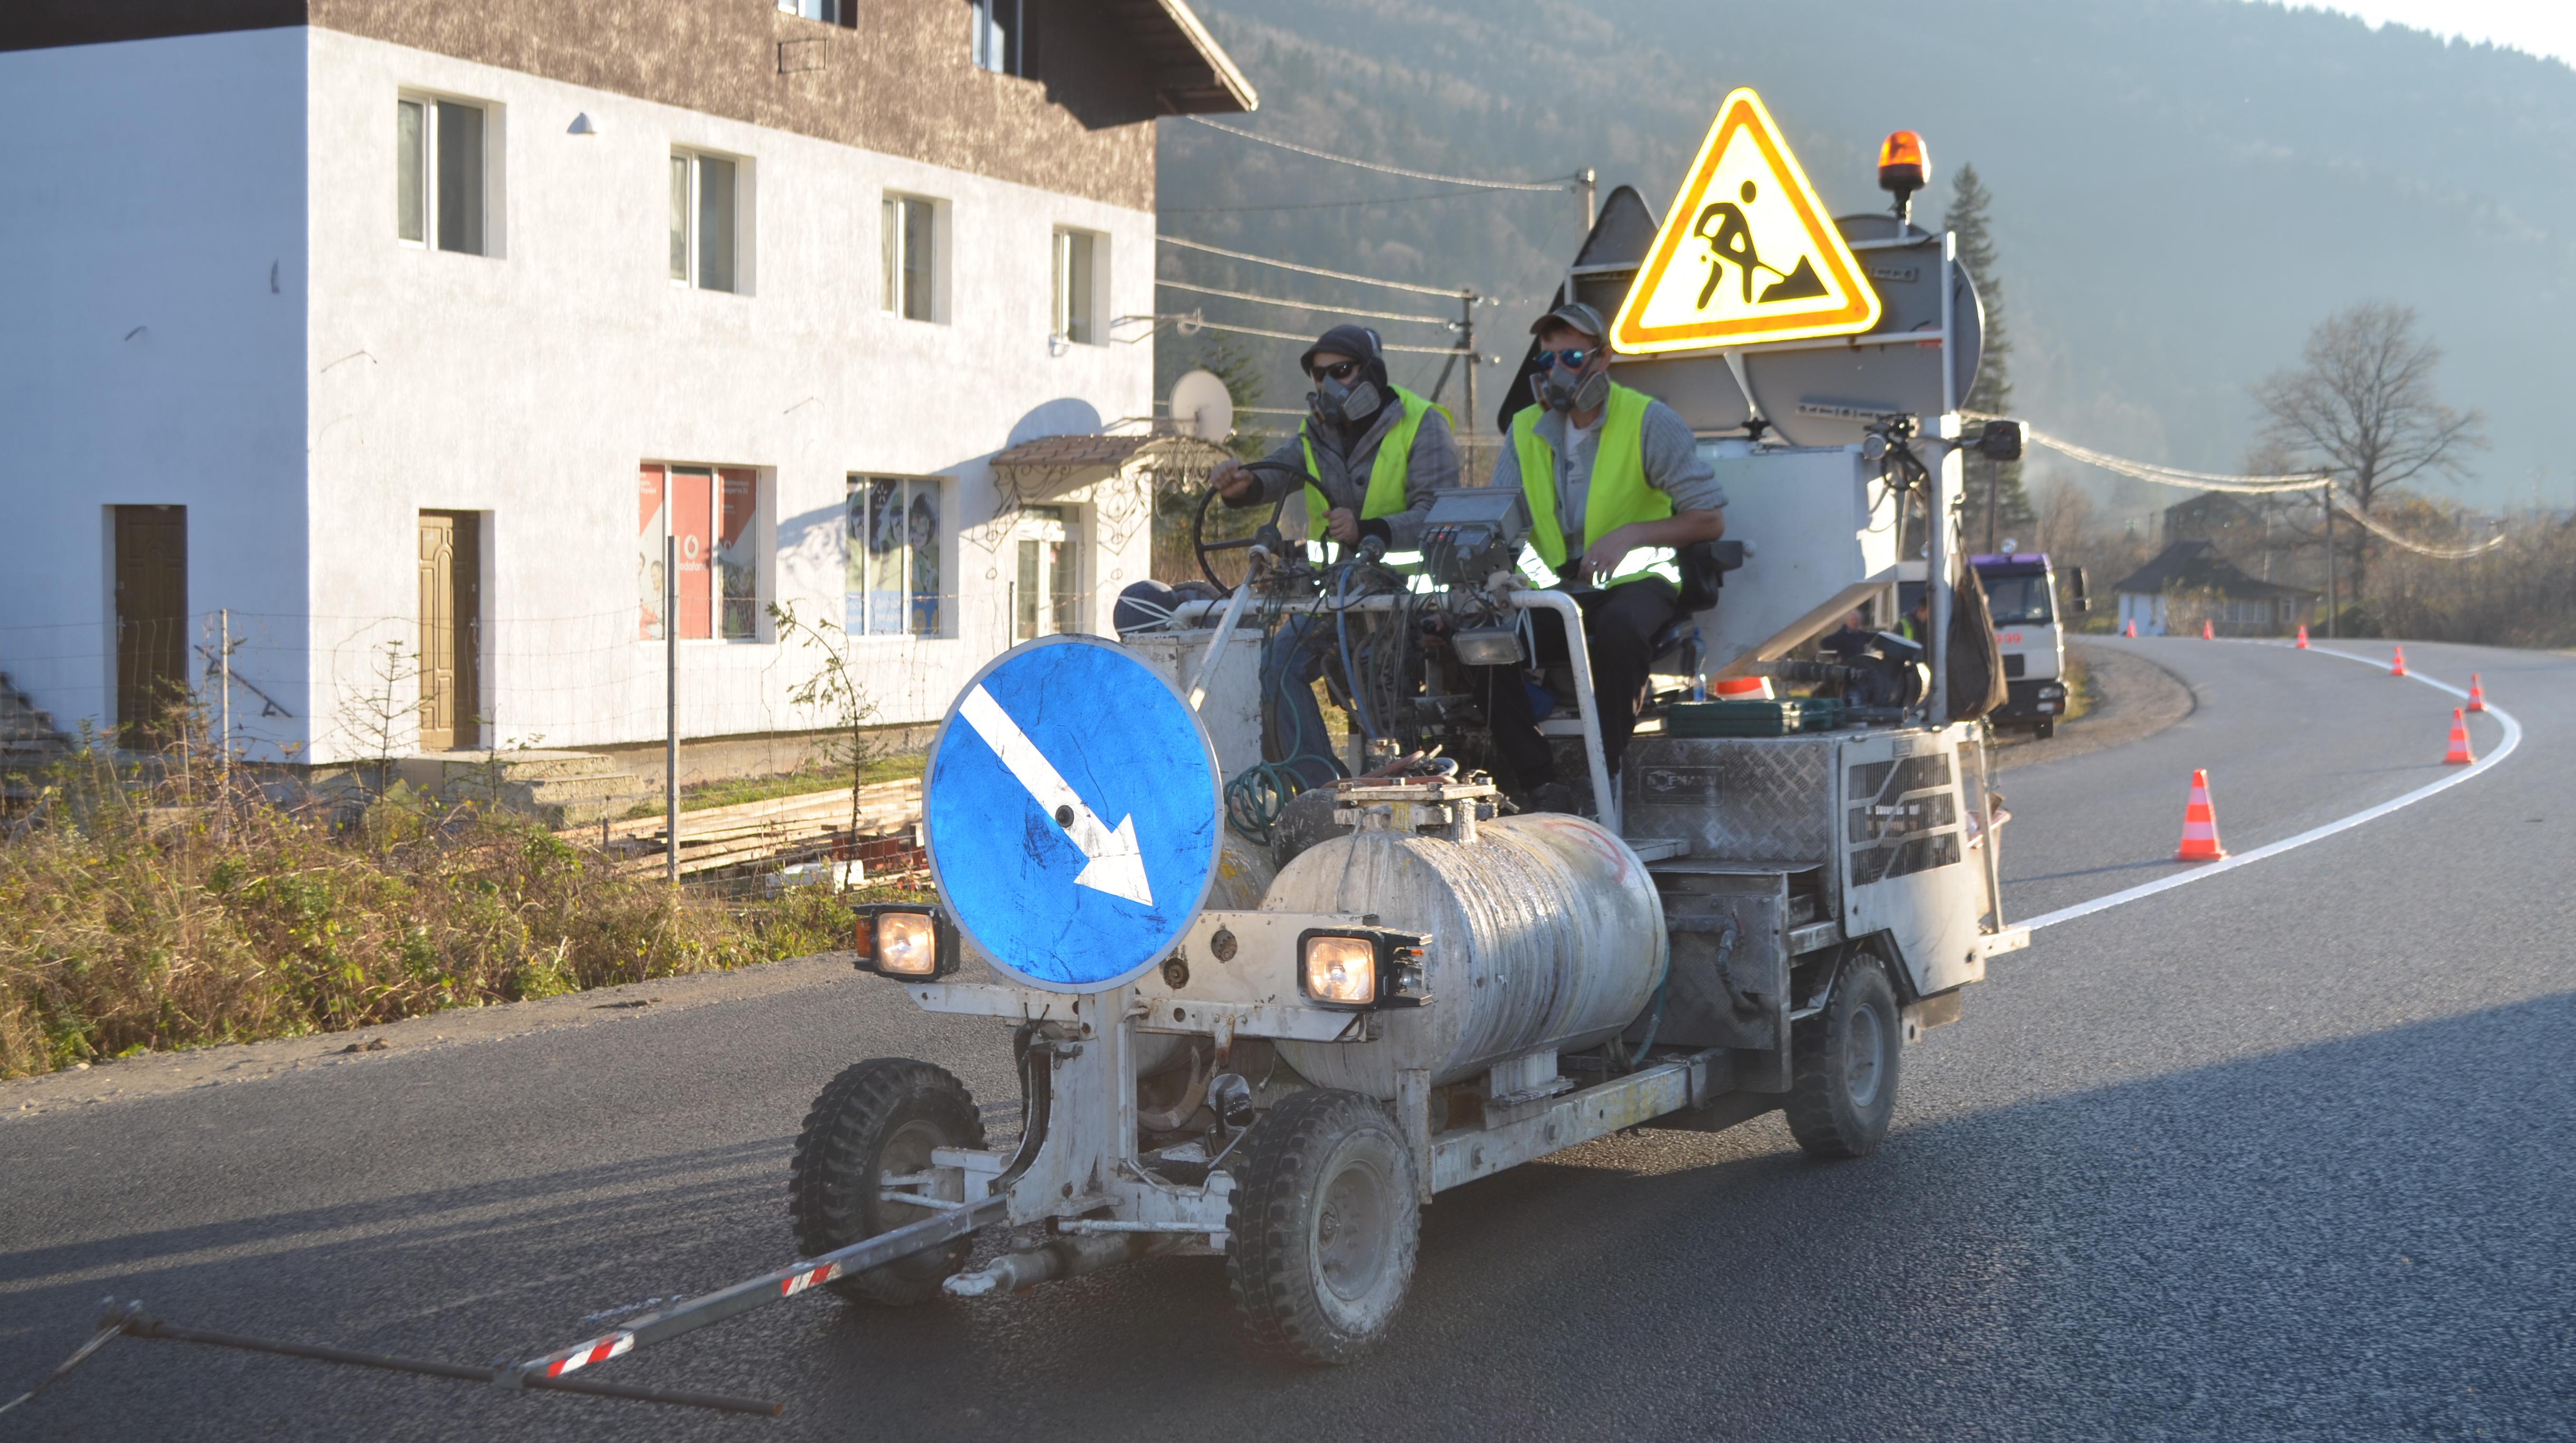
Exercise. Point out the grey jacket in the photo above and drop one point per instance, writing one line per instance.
(1345, 478)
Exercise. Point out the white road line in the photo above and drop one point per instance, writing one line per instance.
(2207, 870)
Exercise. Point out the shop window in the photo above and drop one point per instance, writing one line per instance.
(894, 563)
(714, 513)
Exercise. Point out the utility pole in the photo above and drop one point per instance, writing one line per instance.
(1467, 350)
(1583, 183)
(671, 709)
(224, 698)
(2332, 606)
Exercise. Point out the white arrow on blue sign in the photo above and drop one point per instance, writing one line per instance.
(1072, 814)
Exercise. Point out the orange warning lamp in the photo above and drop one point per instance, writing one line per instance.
(1903, 168)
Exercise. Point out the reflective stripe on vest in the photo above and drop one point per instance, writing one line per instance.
(1618, 496)
(1386, 473)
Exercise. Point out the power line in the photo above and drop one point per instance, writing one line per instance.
(1300, 336)
(1470, 193)
(1308, 305)
(1560, 184)
(1452, 291)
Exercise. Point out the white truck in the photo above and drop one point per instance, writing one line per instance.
(2021, 592)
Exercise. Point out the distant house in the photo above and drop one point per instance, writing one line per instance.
(2189, 582)
(395, 346)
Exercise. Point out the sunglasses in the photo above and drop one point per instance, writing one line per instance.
(1339, 370)
(1572, 358)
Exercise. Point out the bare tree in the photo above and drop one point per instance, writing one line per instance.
(2362, 409)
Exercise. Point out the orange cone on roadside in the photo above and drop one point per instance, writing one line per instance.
(2459, 755)
(2302, 642)
(2477, 694)
(2399, 667)
(2205, 633)
(2199, 824)
(2130, 631)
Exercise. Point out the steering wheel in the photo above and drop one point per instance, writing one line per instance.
(1209, 552)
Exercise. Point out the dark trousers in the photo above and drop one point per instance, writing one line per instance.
(1619, 627)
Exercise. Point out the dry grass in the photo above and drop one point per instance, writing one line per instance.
(146, 906)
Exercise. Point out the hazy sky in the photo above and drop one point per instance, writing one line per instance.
(2542, 27)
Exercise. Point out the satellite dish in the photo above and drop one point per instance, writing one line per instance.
(1202, 407)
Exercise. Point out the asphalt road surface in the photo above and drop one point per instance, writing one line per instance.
(2286, 1153)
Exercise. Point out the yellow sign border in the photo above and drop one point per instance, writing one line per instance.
(1629, 334)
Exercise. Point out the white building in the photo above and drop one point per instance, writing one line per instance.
(338, 324)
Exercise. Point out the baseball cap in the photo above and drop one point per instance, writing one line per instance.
(1575, 314)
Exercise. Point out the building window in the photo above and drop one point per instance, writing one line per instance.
(714, 513)
(893, 546)
(911, 227)
(1046, 589)
(438, 174)
(1003, 37)
(1077, 306)
(831, 12)
(704, 220)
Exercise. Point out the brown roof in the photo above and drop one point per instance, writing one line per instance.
(1111, 451)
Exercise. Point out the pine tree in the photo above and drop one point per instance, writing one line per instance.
(1997, 505)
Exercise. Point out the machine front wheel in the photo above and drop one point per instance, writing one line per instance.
(1843, 1089)
(877, 1121)
(1326, 1219)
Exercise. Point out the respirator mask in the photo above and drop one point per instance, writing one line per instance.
(1345, 405)
(1558, 391)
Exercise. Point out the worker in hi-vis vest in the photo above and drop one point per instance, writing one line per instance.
(1371, 454)
(1616, 486)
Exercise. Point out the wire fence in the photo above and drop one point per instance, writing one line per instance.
(324, 688)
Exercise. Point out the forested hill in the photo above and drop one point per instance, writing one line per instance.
(2182, 187)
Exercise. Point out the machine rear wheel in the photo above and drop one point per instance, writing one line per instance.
(1326, 1219)
(1843, 1089)
(2047, 727)
(879, 1119)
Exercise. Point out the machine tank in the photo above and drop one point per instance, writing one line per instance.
(1545, 933)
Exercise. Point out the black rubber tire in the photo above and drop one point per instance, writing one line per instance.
(2047, 728)
(882, 1115)
(1842, 1089)
(1327, 1218)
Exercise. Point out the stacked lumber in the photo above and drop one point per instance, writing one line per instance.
(780, 829)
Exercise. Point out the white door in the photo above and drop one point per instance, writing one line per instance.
(1047, 586)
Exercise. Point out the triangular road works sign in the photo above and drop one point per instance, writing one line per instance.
(1746, 254)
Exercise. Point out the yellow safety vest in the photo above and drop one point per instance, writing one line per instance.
(1619, 494)
(1386, 474)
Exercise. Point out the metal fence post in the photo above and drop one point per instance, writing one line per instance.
(671, 708)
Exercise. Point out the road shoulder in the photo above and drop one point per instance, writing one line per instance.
(160, 1074)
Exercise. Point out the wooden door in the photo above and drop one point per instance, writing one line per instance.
(450, 612)
(151, 619)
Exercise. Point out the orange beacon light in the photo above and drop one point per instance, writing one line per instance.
(1903, 168)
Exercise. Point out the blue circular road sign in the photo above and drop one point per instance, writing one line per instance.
(1072, 814)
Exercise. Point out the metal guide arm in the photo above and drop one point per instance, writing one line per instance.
(787, 1282)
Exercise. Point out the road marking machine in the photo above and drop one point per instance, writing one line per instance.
(1276, 1032)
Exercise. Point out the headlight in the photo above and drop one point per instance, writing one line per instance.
(1341, 971)
(1364, 968)
(904, 941)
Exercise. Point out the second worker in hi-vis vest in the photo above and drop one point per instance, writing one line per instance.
(1372, 454)
(1616, 485)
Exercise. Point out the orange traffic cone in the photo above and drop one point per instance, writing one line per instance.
(2302, 642)
(2130, 631)
(2199, 824)
(2205, 633)
(2477, 694)
(2459, 754)
(2399, 668)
